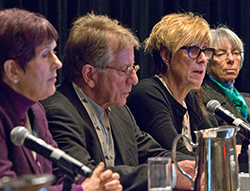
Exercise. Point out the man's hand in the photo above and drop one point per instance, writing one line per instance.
(183, 183)
(102, 181)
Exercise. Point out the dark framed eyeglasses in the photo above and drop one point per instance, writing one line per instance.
(194, 52)
(128, 70)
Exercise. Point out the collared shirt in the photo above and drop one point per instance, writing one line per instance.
(226, 85)
(100, 121)
(100, 114)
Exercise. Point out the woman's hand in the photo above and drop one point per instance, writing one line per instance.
(102, 181)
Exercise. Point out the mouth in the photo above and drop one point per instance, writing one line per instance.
(231, 70)
(199, 72)
(126, 93)
(53, 79)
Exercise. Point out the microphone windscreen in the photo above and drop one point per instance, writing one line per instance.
(212, 105)
(18, 135)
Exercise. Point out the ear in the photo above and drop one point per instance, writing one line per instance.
(166, 56)
(89, 75)
(11, 69)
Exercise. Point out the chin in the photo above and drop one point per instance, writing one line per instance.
(47, 95)
(122, 103)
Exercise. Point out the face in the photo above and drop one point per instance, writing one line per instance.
(222, 68)
(187, 73)
(37, 82)
(112, 86)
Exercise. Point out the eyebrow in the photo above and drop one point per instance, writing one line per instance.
(49, 44)
(226, 50)
(220, 49)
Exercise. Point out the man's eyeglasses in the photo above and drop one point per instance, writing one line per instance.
(194, 52)
(128, 70)
(223, 54)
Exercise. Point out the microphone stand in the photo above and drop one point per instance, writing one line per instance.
(243, 157)
(68, 181)
(69, 178)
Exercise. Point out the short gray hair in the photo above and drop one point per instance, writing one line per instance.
(90, 42)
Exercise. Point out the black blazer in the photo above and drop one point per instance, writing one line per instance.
(74, 132)
(211, 91)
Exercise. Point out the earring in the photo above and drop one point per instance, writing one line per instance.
(16, 81)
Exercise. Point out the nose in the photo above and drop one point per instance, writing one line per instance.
(132, 78)
(202, 58)
(230, 56)
(57, 64)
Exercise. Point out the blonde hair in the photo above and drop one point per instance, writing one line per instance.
(176, 30)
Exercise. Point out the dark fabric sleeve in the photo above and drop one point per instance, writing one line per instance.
(77, 137)
(5, 163)
(154, 115)
(45, 134)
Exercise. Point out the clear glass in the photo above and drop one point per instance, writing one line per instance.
(159, 174)
(27, 183)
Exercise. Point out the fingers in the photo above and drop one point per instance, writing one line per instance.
(111, 180)
(98, 170)
(113, 185)
(182, 181)
(115, 176)
(108, 175)
(106, 180)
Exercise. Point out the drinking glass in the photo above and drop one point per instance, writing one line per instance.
(159, 174)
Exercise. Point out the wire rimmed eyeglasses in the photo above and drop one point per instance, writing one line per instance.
(128, 70)
(223, 54)
(194, 52)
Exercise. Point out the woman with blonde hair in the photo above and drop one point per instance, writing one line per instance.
(163, 105)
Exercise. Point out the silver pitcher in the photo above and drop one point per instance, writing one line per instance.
(216, 165)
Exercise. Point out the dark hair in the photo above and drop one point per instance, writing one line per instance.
(21, 32)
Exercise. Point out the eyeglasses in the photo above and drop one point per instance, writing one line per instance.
(128, 70)
(223, 54)
(194, 52)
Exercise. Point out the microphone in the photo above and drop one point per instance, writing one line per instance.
(215, 107)
(21, 136)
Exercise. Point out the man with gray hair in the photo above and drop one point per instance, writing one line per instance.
(87, 115)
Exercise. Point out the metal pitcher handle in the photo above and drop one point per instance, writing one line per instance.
(174, 156)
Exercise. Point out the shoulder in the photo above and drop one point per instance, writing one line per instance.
(191, 99)
(210, 86)
(56, 100)
(148, 83)
(245, 94)
(122, 112)
(149, 86)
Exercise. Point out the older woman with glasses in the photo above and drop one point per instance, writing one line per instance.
(163, 105)
(222, 71)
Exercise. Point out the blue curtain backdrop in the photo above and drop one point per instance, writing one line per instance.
(141, 16)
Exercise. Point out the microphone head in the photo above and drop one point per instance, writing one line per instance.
(18, 135)
(212, 105)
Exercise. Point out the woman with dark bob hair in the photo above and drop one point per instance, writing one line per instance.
(28, 66)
